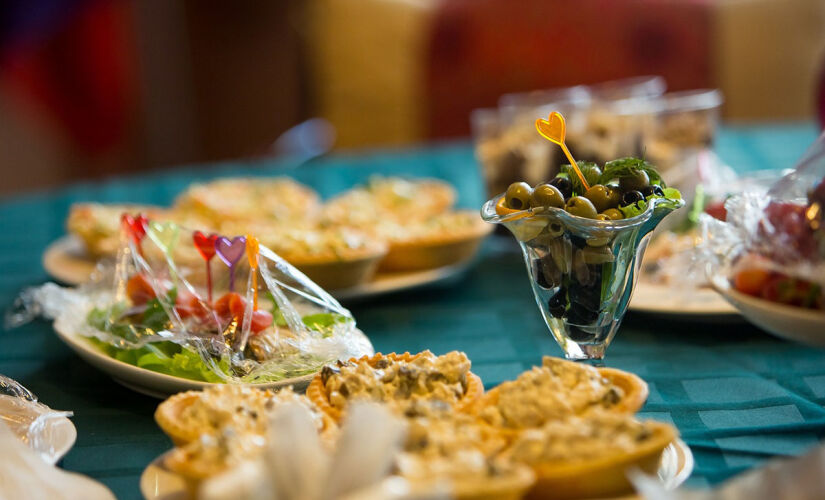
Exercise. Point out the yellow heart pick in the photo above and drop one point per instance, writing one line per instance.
(553, 129)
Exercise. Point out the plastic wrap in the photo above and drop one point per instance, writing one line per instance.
(772, 245)
(204, 307)
(32, 422)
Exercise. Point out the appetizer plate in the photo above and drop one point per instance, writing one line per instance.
(788, 322)
(158, 483)
(66, 261)
(688, 303)
(158, 385)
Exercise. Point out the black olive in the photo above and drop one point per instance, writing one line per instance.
(538, 271)
(564, 185)
(631, 197)
(653, 189)
(557, 303)
(576, 334)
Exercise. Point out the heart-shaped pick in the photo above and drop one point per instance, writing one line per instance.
(205, 244)
(230, 251)
(552, 129)
(135, 226)
(164, 234)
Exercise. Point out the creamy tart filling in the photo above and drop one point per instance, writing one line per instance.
(578, 439)
(553, 391)
(239, 408)
(399, 383)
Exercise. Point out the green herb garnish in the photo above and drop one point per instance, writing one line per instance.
(625, 167)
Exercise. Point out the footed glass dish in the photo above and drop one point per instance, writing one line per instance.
(582, 270)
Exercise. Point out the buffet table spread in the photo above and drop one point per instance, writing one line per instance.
(737, 395)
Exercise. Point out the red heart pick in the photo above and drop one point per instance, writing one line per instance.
(136, 226)
(205, 244)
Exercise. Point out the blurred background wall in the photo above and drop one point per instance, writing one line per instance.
(94, 87)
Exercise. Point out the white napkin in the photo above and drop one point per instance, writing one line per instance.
(296, 466)
(801, 478)
(23, 474)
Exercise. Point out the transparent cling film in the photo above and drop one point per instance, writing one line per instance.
(201, 306)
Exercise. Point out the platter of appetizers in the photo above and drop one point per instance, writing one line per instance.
(387, 235)
(563, 429)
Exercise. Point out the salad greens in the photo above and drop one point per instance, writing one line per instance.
(183, 361)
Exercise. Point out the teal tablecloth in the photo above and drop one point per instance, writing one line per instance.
(738, 395)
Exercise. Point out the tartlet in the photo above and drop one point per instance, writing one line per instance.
(558, 389)
(334, 257)
(98, 225)
(237, 199)
(590, 457)
(187, 416)
(438, 241)
(461, 451)
(329, 390)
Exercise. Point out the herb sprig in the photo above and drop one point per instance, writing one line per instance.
(626, 167)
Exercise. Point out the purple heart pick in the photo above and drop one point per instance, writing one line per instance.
(230, 252)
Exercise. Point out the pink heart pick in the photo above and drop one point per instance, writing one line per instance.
(230, 251)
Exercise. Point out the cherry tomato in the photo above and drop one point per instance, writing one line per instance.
(187, 305)
(751, 281)
(231, 304)
(261, 321)
(139, 290)
(717, 210)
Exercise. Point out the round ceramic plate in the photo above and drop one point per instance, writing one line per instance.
(690, 302)
(66, 261)
(788, 322)
(60, 437)
(158, 483)
(156, 384)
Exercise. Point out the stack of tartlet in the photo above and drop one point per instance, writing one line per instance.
(562, 430)
(391, 223)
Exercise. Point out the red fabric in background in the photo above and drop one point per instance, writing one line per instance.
(80, 75)
(481, 49)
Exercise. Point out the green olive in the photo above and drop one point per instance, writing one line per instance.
(547, 195)
(601, 197)
(591, 172)
(602, 217)
(614, 196)
(637, 181)
(581, 207)
(518, 196)
(613, 214)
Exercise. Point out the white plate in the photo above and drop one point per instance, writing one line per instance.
(156, 384)
(158, 483)
(690, 302)
(59, 436)
(789, 322)
(66, 261)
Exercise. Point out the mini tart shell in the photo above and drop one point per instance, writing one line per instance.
(343, 271)
(511, 486)
(635, 395)
(604, 477)
(435, 251)
(167, 416)
(317, 393)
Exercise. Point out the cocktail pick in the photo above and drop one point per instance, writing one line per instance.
(553, 129)
(252, 255)
(206, 247)
(135, 227)
(230, 252)
(164, 235)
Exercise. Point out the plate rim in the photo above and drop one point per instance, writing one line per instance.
(678, 447)
(725, 309)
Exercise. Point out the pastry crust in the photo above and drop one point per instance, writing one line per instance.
(317, 392)
(98, 225)
(602, 477)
